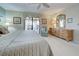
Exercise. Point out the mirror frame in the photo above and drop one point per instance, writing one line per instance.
(58, 18)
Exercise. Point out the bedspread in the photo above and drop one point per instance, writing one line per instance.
(27, 43)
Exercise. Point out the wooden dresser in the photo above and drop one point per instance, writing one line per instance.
(62, 33)
(58, 28)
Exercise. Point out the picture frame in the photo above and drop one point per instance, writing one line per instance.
(59, 19)
(16, 20)
(44, 21)
(70, 20)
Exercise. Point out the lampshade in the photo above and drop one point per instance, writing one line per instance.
(7, 24)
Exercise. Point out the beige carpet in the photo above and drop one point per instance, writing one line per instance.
(61, 47)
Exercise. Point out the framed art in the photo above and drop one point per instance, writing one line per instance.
(70, 20)
(44, 21)
(16, 20)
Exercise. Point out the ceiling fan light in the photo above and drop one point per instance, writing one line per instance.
(38, 6)
(46, 5)
(43, 4)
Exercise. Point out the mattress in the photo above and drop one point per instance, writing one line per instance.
(24, 43)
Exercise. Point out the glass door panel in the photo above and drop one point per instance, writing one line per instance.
(28, 24)
(36, 24)
(32, 24)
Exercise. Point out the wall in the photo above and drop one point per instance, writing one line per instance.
(70, 12)
(9, 18)
(2, 16)
(73, 13)
(11, 14)
(49, 20)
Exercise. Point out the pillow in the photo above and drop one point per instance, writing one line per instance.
(11, 29)
(4, 30)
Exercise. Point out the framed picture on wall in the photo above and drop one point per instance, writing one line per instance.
(44, 21)
(70, 20)
(16, 20)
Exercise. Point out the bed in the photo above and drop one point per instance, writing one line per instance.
(24, 43)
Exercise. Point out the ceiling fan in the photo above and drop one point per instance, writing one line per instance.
(42, 4)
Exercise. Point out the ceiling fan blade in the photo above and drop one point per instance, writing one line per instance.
(38, 6)
(46, 5)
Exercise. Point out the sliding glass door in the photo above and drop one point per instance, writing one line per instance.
(36, 24)
(32, 23)
(28, 23)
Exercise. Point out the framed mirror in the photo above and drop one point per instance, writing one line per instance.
(61, 21)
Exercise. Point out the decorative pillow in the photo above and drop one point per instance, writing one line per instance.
(11, 29)
(3, 30)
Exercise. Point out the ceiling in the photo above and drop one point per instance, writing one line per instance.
(32, 7)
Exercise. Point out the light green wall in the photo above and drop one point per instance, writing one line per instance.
(9, 18)
(11, 14)
(2, 16)
(30, 14)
